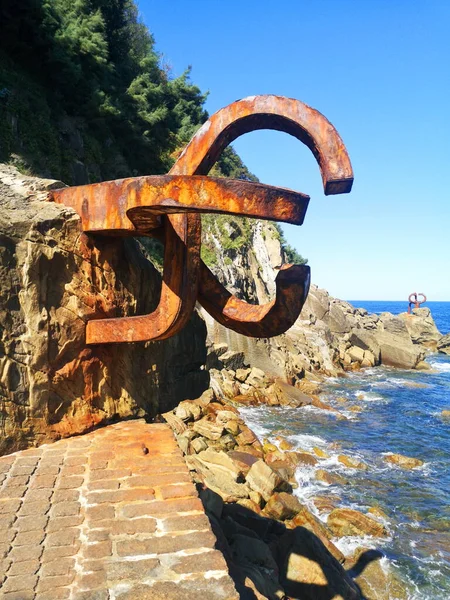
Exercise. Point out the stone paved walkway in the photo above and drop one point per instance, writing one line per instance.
(109, 515)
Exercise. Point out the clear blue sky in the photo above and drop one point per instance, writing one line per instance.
(379, 71)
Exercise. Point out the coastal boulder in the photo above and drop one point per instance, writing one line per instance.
(405, 462)
(345, 521)
(397, 350)
(422, 328)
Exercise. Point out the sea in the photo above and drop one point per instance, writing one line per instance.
(386, 411)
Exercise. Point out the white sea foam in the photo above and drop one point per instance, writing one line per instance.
(440, 366)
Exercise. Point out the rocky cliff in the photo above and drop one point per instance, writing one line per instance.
(53, 279)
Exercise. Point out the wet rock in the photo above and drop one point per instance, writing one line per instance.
(330, 478)
(374, 581)
(320, 453)
(345, 521)
(405, 462)
(305, 458)
(325, 504)
(352, 463)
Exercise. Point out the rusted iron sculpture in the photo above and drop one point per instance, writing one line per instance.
(414, 300)
(168, 208)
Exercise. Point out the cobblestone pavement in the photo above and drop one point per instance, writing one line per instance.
(109, 515)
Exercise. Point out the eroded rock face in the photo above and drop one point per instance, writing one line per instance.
(52, 280)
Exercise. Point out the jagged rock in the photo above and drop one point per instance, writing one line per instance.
(366, 341)
(320, 453)
(261, 478)
(330, 478)
(215, 351)
(230, 414)
(283, 394)
(244, 460)
(175, 422)
(345, 521)
(227, 442)
(352, 463)
(398, 352)
(285, 445)
(242, 374)
(356, 354)
(208, 429)
(246, 437)
(405, 462)
(52, 280)
(422, 328)
(188, 411)
(309, 571)
(198, 445)
(257, 378)
(444, 344)
(306, 459)
(282, 506)
(232, 360)
(233, 427)
(207, 397)
(220, 474)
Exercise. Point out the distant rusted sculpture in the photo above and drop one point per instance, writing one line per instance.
(414, 300)
(168, 208)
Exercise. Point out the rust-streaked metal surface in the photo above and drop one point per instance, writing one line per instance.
(168, 207)
(266, 320)
(134, 204)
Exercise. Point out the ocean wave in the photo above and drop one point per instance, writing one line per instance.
(440, 366)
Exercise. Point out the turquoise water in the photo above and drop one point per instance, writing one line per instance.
(401, 413)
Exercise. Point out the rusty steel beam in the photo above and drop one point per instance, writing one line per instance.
(171, 205)
(134, 204)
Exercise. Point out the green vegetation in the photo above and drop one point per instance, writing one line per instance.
(84, 98)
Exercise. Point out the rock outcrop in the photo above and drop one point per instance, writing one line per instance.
(275, 546)
(52, 280)
(444, 344)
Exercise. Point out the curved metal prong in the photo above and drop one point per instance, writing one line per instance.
(313, 129)
(178, 291)
(267, 320)
(271, 112)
